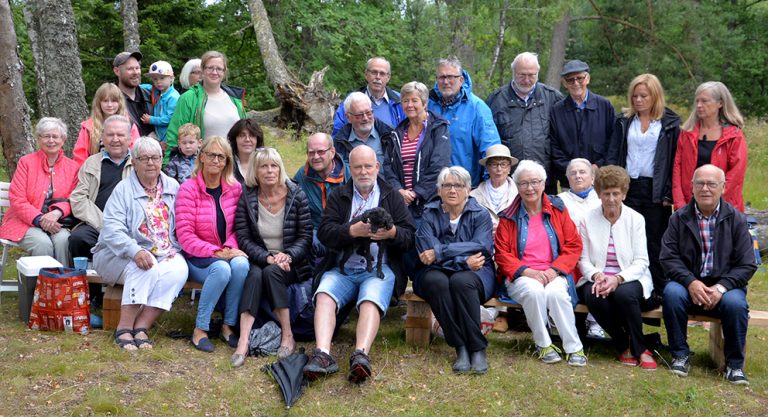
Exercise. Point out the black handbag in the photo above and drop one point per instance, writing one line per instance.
(67, 221)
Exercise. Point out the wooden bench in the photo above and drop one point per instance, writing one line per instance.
(113, 297)
(418, 321)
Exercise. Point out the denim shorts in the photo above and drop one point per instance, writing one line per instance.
(358, 282)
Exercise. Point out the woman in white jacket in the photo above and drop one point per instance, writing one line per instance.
(614, 263)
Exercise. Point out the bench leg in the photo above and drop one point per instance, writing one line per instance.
(113, 298)
(717, 345)
(418, 321)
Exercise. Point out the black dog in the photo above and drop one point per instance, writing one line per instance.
(378, 218)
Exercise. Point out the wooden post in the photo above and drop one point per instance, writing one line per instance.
(716, 345)
(418, 321)
(113, 298)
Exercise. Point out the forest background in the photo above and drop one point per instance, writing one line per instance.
(683, 42)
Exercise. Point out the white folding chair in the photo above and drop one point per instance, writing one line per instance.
(6, 284)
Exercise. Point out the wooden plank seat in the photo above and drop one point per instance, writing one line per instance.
(418, 322)
(113, 297)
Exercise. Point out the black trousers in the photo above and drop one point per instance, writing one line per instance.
(656, 221)
(271, 279)
(455, 299)
(81, 240)
(619, 315)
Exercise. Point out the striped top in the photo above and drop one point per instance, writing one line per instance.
(408, 154)
(611, 262)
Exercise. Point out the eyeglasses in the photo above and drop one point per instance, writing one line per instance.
(319, 152)
(50, 136)
(529, 184)
(501, 164)
(709, 184)
(213, 157)
(443, 78)
(364, 114)
(215, 69)
(154, 159)
(577, 79)
(451, 186)
(380, 74)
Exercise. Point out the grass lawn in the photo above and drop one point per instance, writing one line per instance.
(55, 374)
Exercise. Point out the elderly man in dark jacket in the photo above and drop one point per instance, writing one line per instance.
(707, 254)
(370, 293)
(581, 126)
(521, 112)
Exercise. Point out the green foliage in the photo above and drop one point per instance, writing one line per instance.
(722, 41)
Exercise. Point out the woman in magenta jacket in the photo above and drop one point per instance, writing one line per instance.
(711, 135)
(205, 214)
(39, 194)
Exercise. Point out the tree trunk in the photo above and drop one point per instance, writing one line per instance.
(129, 9)
(499, 40)
(15, 128)
(557, 49)
(60, 88)
(308, 108)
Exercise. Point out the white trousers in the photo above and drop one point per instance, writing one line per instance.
(156, 287)
(537, 299)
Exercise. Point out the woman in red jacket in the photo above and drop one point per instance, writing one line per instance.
(711, 135)
(537, 247)
(39, 193)
(205, 217)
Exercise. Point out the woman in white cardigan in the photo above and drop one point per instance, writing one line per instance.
(614, 263)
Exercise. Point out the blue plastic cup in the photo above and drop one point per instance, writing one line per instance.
(81, 262)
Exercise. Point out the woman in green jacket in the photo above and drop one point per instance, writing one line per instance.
(211, 105)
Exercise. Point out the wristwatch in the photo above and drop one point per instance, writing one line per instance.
(720, 289)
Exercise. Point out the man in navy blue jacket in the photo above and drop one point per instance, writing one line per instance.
(581, 125)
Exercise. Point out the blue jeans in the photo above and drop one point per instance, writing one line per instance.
(358, 283)
(217, 277)
(732, 311)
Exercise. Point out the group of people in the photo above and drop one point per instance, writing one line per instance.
(470, 186)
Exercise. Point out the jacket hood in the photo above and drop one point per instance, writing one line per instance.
(464, 92)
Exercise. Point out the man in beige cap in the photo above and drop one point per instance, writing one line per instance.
(127, 68)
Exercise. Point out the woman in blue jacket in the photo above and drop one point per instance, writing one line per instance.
(455, 243)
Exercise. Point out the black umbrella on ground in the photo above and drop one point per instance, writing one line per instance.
(289, 375)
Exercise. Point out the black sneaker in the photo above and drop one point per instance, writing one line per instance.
(320, 364)
(681, 366)
(736, 376)
(359, 367)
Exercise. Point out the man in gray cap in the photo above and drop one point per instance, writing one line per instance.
(521, 111)
(127, 68)
(581, 125)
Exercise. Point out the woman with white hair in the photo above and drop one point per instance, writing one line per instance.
(191, 74)
(537, 248)
(579, 199)
(711, 135)
(454, 243)
(137, 246)
(39, 193)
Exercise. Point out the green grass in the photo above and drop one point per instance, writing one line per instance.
(55, 374)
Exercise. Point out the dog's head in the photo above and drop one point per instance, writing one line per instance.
(378, 218)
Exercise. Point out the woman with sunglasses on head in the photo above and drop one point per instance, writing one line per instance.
(211, 105)
(244, 137)
(274, 228)
(205, 222)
